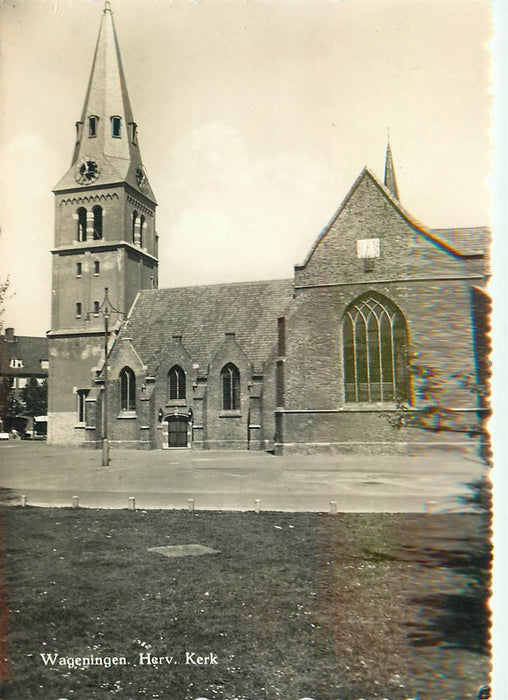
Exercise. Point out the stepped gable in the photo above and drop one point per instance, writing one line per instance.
(203, 314)
(465, 241)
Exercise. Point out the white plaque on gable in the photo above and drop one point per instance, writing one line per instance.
(367, 248)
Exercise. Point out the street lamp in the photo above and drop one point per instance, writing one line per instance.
(105, 309)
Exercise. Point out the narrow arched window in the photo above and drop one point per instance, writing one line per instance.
(176, 383)
(81, 224)
(116, 127)
(93, 122)
(127, 390)
(375, 351)
(141, 225)
(134, 133)
(230, 381)
(134, 222)
(97, 222)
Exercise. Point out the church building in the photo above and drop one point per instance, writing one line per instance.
(377, 343)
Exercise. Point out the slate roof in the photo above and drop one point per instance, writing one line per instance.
(466, 241)
(203, 314)
(31, 350)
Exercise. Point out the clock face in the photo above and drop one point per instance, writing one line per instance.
(87, 170)
(141, 178)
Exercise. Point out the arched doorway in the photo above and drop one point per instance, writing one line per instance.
(177, 431)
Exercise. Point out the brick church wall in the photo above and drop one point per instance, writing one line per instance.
(432, 288)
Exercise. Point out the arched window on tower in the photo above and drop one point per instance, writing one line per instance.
(375, 351)
(134, 133)
(81, 224)
(141, 226)
(176, 383)
(116, 127)
(93, 123)
(97, 222)
(134, 222)
(127, 390)
(230, 383)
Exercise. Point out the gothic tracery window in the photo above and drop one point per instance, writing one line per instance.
(127, 390)
(375, 351)
(230, 382)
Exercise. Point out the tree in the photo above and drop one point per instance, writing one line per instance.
(35, 397)
(10, 407)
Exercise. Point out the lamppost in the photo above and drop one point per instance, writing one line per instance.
(105, 309)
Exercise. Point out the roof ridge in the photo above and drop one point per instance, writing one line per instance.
(218, 284)
(460, 228)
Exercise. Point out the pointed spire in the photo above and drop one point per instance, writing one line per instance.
(390, 179)
(106, 99)
(107, 132)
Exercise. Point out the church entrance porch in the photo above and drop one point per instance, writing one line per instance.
(176, 432)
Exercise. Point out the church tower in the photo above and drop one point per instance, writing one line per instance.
(105, 237)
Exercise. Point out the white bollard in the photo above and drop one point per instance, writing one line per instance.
(23, 501)
(132, 503)
(190, 504)
(427, 508)
(257, 505)
(333, 507)
(75, 501)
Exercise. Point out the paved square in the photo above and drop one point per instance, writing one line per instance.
(236, 480)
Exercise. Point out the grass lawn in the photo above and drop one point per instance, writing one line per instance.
(294, 605)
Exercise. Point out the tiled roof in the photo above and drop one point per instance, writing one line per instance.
(202, 315)
(30, 350)
(466, 241)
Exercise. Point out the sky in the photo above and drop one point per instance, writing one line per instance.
(255, 118)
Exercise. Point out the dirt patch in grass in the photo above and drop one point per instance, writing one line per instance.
(293, 605)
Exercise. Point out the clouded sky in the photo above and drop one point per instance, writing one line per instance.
(254, 116)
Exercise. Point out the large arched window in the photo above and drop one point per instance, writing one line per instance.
(375, 351)
(127, 390)
(97, 222)
(230, 381)
(81, 223)
(176, 383)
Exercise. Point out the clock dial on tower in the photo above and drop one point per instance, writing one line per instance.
(141, 178)
(86, 171)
